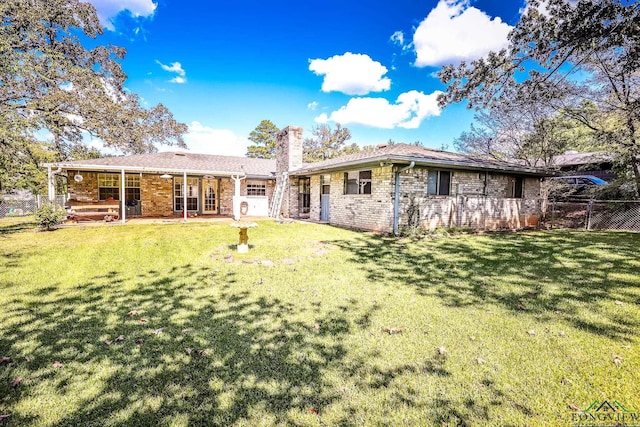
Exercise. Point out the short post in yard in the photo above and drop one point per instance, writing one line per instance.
(243, 242)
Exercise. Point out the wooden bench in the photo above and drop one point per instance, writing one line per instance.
(107, 210)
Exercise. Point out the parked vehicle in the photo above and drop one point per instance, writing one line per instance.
(576, 187)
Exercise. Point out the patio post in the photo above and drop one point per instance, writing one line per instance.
(184, 195)
(51, 186)
(122, 201)
(236, 196)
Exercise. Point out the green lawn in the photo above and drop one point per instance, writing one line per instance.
(315, 326)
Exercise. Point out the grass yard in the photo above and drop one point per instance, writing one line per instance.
(166, 325)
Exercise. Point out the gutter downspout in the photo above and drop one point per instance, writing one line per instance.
(396, 199)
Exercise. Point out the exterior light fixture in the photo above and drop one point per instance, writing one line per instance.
(166, 176)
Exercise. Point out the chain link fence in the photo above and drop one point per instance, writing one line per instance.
(25, 204)
(622, 215)
(17, 207)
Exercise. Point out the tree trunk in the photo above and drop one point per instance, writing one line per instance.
(633, 161)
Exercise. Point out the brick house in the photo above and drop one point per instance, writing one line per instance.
(435, 188)
(154, 187)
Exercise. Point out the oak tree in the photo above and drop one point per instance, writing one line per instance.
(327, 143)
(50, 83)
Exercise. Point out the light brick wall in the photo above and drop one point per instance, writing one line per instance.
(467, 206)
(470, 209)
(289, 158)
(364, 211)
(314, 211)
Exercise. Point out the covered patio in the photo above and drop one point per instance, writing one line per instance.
(164, 186)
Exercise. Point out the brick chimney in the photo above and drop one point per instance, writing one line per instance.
(288, 149)
(288, 159)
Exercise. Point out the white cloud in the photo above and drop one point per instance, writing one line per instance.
(397, 38)
(453, 31)
(174, 67)
(312, 105)
(351, 73)
(109, 9)
(409, 110)
(542, 7)
(207, 140)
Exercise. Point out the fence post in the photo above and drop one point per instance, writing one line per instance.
(587, 224)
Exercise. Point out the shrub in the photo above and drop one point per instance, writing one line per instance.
(49, 215)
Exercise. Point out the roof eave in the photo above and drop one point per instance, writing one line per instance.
(421, 161)
(144, 169)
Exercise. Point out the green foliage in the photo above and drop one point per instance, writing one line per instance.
(327, 143)
(51, 82)
(577, 53)
(49, 215)
(264, 140)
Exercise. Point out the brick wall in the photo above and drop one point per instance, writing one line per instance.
(364, 211)
(314, 211)
(156, 195)
(289, 158)
(85, 191)
(466, 206)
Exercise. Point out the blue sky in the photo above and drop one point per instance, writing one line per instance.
(223, 66)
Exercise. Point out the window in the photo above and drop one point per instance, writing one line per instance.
(515, 187)
(132, 188)
(256, 188)
(438, 183)
(325, 181)
(192, 194)
(357, 182)
(108, 186)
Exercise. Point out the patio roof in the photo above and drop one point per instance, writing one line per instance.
(177, 162)
(405, 154)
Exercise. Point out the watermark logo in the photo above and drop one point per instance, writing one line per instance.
(607, 413)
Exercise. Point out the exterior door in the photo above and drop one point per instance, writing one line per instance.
(325, 189)
(210, 196)
(304, 195)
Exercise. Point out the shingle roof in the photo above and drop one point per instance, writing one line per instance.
(178, 162)
(406, 153)
(576, 159)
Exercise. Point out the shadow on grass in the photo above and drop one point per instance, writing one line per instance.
(157, 355)
(558, 274)
(16, 228)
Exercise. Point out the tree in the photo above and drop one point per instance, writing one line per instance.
(574, 54)
(264, 140)
(328, 143)
(50, 83)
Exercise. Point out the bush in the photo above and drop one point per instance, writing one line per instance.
(49, 215)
